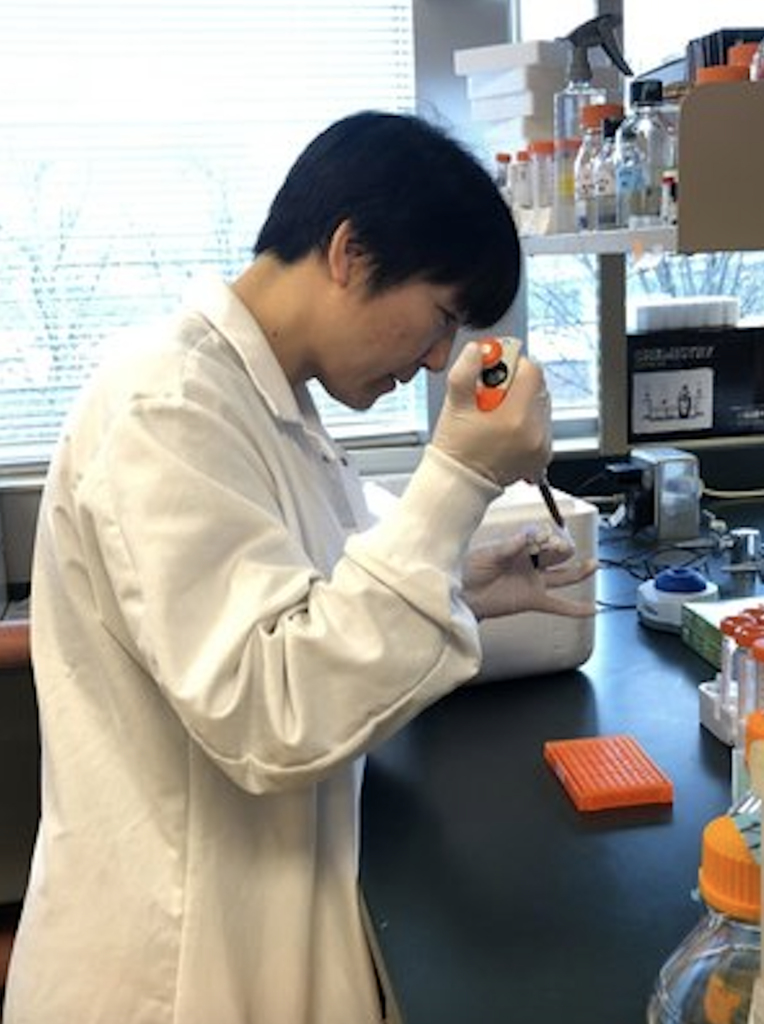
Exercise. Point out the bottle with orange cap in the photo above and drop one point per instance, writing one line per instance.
(592, 119)
(541, 153)
(521, 191)
(710, 977)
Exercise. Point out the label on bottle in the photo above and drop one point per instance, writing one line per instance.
(631, 178)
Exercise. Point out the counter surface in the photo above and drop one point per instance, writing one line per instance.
(491, 898)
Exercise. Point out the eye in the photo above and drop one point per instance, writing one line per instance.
(449, 320)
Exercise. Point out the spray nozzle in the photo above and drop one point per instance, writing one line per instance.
(599, 31)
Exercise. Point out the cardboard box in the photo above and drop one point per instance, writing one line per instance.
(696, 383)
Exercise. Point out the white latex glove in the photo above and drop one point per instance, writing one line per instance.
(512, 442)
(501, 577)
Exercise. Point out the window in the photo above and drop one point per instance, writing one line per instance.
(562, 291)
(142, 141)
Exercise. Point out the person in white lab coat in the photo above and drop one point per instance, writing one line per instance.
(219, 630)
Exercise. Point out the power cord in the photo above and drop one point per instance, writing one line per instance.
(733, 495)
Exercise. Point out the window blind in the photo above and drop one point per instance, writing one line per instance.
(142, 141)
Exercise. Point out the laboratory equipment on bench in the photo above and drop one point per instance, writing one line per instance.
(737, 689)
(668, 501)
(660, 601)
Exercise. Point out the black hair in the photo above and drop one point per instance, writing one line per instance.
(420, 206)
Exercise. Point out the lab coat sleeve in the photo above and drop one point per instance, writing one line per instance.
(277, 671)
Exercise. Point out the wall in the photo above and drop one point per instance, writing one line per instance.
(440, 27)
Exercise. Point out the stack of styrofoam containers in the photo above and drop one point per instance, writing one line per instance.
(511, 88)
(671, 313)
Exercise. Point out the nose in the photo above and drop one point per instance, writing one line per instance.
(436, 359)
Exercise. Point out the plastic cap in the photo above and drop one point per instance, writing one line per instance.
(542, 147)
(567, 145)
(646, 90)
(748, 632)
(731, 623)
(757, 648)
(722, 73)
(522, 156)
(680, 580)
(610, 126)
(742, 53)
(594, 114)
(503, 158)
(729, 877)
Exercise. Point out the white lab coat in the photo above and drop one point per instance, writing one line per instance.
(213, 656)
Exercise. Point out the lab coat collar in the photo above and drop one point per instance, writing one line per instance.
(220, 305)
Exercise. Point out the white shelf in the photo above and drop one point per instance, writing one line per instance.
(602, 243)
(721, 170)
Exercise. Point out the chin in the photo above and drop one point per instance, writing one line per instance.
(360, 401)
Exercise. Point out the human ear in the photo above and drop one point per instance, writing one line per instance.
(345, 255)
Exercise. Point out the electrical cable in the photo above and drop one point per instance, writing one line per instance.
(733, 495)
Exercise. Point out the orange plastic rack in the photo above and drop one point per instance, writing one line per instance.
(602, 772)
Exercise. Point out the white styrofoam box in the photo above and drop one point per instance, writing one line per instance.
(530, 643)
(507, 108)
(535, 643)
(485, 59)
(536, 102)
(533, 78)
(666, 312)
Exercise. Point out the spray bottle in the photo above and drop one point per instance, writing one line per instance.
(568, 104)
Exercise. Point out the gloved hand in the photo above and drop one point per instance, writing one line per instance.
(501, 577)
(513, 441)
